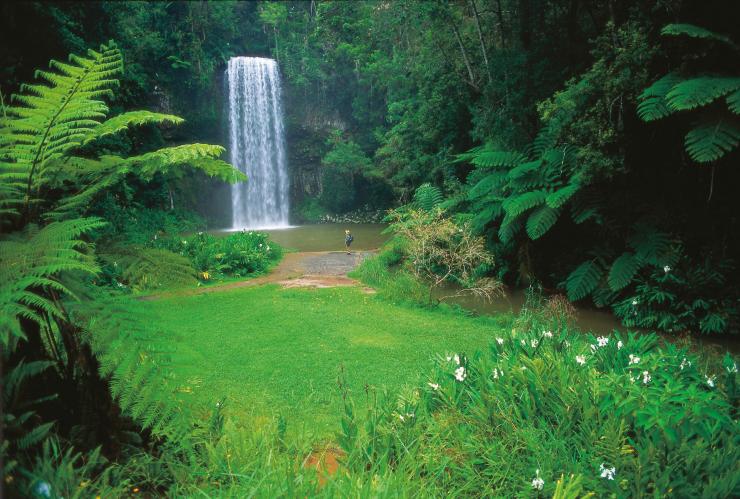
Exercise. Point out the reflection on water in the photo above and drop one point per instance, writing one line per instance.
(328, 237)
(597, 321)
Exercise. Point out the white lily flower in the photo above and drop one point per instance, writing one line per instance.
(634, 359)
(460, 374)
(580, 359)
(537, 482)
(607, 473)
(710, 380)
(603, 341)
(433, 386)
(500, 341)
(646, 377)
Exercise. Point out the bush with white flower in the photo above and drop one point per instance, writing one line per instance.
(621, 415)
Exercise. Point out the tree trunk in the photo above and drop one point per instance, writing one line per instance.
(480, 38)
(464, 53)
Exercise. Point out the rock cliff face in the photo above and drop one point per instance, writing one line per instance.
(308, 127)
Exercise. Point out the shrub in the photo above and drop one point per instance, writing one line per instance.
(620, 416)
(239, 254)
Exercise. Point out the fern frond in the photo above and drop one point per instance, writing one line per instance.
(204, 156)
(697, 92)
(711, 141)
(541, 220)
(695, 32)
(652, 101)
(150, 268)
(733, 102)
(127, 120)
(488, 159)
(650, 245)
(510, 227)
(622, 271)
(487, 185)
(583, 280)
(427, 197)
(561, 196)
(518, 204)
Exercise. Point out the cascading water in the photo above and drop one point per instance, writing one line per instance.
(257, 144)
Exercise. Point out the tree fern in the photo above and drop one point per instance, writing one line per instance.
(516, 205)
(692, 93)
(711, 141)
(541, 220)
(719, 131)
(151, 268)
(652, 101)
(583, 280)
(427, 197)
(695, 32)
(561, 196)
(623, 270)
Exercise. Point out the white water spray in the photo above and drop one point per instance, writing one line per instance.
(257, 144)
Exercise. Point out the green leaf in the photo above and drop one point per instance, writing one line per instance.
(711, 141)
(124, 121)
(695, 32)
(541, 220)
(652, 101)
(561, 196)
(583, 280)
(622, 271)
(516, 205)
(488, 159)
(733, 102)
(697, 92)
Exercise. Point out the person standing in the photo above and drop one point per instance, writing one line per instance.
(348, 240)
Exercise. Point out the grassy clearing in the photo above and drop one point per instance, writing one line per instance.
(274, 352)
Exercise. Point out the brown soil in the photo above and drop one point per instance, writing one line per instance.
(325, 461)
(322, 269)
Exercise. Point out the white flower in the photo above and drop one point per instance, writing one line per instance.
(433, 386)
(537, 482)
(580, 359)
(685, 363)
(184, 242)
(607, 473)
(535, 343)
(500, 341)
(260, 245)
(620, 345)
(733, 368)
(43, 489)
(603, 341)
(710, 380)
(524, 343)
(460, 374)
(634, 302)
(632, 378)
(547, 334)
(200, 233)
(566, 343)
(267, 248)
(646, 377)
(400, 416)
(457, 359)
(634, 359)
(497, 373)
(666, 269)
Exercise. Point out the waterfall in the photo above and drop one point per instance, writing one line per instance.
(257, 144)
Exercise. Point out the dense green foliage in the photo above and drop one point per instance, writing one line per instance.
(52, 177)
(590, 147)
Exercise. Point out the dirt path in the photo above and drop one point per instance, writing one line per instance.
(320, 269)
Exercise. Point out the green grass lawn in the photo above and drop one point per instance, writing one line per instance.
(278, 352)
